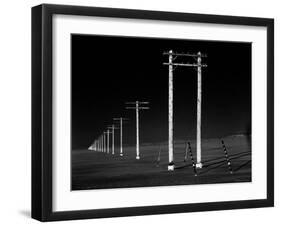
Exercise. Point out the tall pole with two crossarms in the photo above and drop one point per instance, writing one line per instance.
(172, 65)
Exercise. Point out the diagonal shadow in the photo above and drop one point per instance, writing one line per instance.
(241, 166)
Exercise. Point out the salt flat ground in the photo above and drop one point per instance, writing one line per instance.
(96, 170)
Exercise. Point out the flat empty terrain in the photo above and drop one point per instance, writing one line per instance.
(96, 170)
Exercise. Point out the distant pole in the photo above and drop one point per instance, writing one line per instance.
(199, 99)
(137, 132)
(137, 108)
(104, 142)
(100, 143)
(107, 132)
(121, 122)
(112, 127)
(121, 136)
(171, 165)
(113, 139)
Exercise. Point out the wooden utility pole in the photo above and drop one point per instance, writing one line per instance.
(101, 148)
(107, 133)
(171, 164)
(98, 144)
(199, 100)
(198, 64)
(101, 142)
(94, 146)
(121, 122)
(137, 108)
(104, 142)
(112, 127)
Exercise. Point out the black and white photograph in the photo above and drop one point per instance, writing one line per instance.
(141, 112)
(151, 112)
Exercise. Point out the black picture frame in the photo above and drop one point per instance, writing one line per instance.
(42, 111)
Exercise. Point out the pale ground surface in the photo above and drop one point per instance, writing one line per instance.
(100, 170)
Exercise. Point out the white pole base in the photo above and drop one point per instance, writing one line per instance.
(171, 167)
(199, 165)
(137, 157)
(121, 154)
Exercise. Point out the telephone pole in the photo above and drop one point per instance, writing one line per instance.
(101, 142)
(137, 108)
(107, 133)
(94, 146)
(112, 127)
(98, 144)
(104, 142)
(121, 122)
(199, 101)
(172, 65)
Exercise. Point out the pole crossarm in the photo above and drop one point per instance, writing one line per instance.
(140, 108)
(185, 64)
(184, 54)
(110, 127)
(134, 102)
(121, 118)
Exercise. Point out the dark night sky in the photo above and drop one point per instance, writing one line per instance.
(107, 71)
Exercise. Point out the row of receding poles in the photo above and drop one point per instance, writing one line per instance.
(101, 144)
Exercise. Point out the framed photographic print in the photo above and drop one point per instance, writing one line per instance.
(147, 112)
